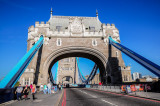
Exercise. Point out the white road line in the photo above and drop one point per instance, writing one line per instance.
(109, 102)
(85, 92)
(88, 94)
(93, 96)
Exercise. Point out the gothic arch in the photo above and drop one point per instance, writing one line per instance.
(85, 52)
(68, 76)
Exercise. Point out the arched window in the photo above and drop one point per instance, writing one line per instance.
(26, 82)
(116, 53)
(59, 42)
(94, 42)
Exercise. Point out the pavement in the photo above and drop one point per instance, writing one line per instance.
(42, 100)
(151, 95)
(91, 97)
(85, 97)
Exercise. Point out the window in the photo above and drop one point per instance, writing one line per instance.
(66, 27)
(66, 68)
(116, 53)
(41, 75)
(26, 82)
(70, 68)
(94, 42)
(58, 28)
(125, 78)
(92, 29)
(66, 60)
(59, 42)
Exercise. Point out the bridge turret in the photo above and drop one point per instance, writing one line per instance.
(31, 28)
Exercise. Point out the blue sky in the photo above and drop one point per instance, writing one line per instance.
(138, 22)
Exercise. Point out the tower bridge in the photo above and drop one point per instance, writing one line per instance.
(72, 36)
(64, 38)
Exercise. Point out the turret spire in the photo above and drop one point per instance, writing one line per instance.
(97, 13)
(51, 13)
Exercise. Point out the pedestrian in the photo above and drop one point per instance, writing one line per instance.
(45, 88)
(49, 88)
(19, 92)
(59, 86)
(100, 83)
(34, 91)
(55, 88)
(25, 92)
(41, 87)
(31, 87)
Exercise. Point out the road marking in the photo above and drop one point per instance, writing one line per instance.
(93, 96)
(87, 93)
(108, 102)
(124, 95)
(64, 98)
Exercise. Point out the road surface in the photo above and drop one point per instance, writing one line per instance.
(91, 97)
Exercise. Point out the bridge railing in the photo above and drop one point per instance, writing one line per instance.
(107, 88)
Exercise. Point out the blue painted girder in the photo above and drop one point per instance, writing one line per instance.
(91, 76)
(13, 76)
(154, 68)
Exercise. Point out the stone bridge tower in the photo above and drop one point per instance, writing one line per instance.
(72, 36)
(67, 70)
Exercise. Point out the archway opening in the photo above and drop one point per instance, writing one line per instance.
(66, 70)
(67, 80)
(82, 52)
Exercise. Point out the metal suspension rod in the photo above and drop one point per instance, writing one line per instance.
(154, 68)
(55, 77)
(13, 76)
(91, 76)
(93, 73)
(80, 70)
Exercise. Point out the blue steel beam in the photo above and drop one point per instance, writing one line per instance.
(91, 76)
(154, 68)
(13, 76)
(55, 76)
(80, 69)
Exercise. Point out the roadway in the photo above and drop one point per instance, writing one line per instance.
(91, 97)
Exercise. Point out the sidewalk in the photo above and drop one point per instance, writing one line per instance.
(42, 100)
(150, 95)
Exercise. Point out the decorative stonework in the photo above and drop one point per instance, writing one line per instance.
(76, 26)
